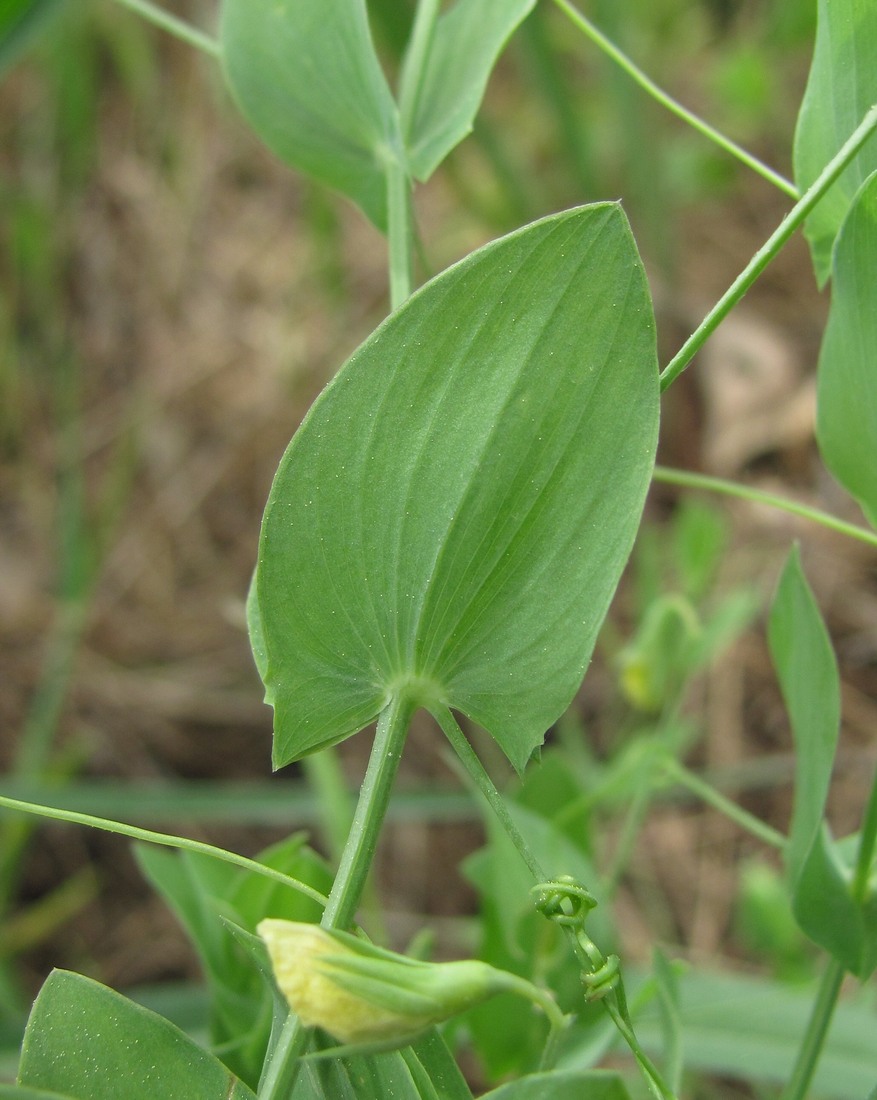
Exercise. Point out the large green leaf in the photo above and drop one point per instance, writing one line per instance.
(805, 664)
(306, 76)
(439, 97)
(846, 420)
(89, 1043)
(452, 517)
(841, 88)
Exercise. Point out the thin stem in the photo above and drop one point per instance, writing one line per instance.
(356, 860)
(867, 842)
(476, 772)
(177, 27)
(770, 248)
(399, 230)
(666, 100)
(691, 480)
(817, 1029)
(615, 1001)
(165, 839)
(686, 778)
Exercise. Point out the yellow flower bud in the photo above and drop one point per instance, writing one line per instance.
(363, 994)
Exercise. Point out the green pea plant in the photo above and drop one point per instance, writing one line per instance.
(445, 533)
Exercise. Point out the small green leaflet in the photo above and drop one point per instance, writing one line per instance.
(452, 517)
(846, 418)
(841, 87)
(305, 75)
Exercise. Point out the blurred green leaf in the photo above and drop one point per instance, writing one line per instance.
(592, 1084)
(452, 517)
(806, 667)
(827, 911)
(820, 874)
(846, 420)
(306, 77)
(841, 87)
(750, 1028)
(91, 1043)
(700, 538)
(20, 23)
(440, 97)
(199, 890)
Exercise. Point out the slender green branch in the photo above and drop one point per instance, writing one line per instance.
(614, 1001)
(686, 778)
(165, 839)
(482, 781)
(817, 1029)
(666, 100)
(280, 1069)
(770, 248)
(399, 230)
(177, 27)
(690, 480)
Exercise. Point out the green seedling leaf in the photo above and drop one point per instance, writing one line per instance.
(841, 87)
(846, 421)
(440, 92)
(89, 1043)
(20, 23)
(806, 667)
(452, 517)
(821, 877)
(306, 77)
(827, 911)
(592, 1084)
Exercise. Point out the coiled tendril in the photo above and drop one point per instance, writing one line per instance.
(568, 903)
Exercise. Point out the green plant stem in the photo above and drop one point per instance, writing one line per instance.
(666, 100)
(707, 793)
(399, 230)
(167, 840)
(814, 1036)
(279, 1074)
(615, 1001)
(177, 27)
(770, 248)
(867, 842)
(485, 786)
(690, 480)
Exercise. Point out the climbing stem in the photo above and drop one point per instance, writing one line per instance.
(280, 1069)
(686, 778)
(690, 480)
(817, 1029)
(399, 229)
(770, 248)
(666, 100)
(588, 955)
(177, 27)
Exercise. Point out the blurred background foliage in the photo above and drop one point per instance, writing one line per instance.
(171, 301)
